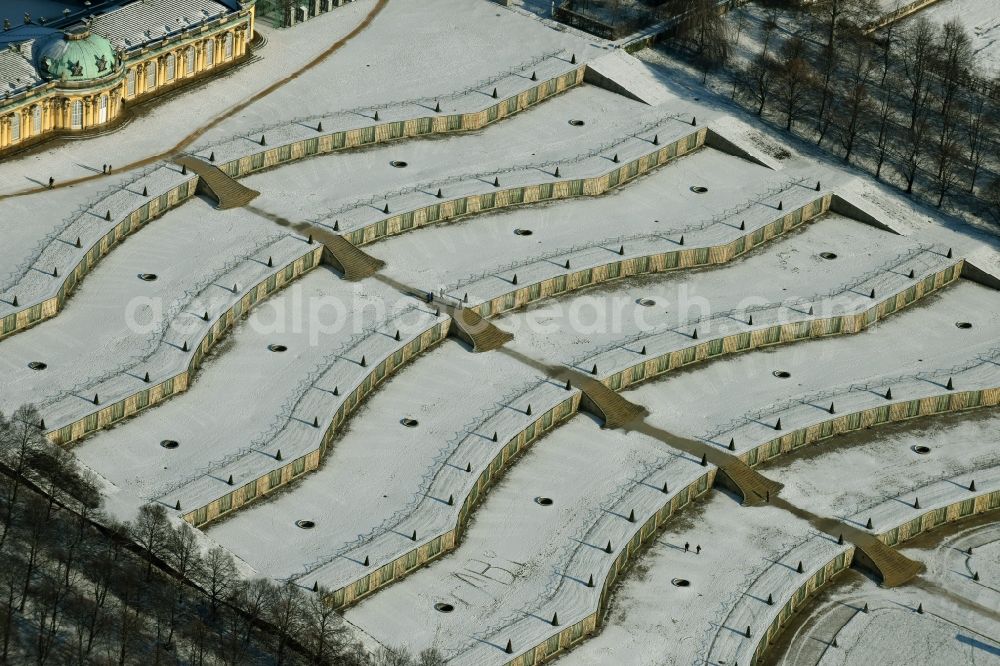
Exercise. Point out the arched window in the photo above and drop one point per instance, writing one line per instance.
(171, 67)
(102, 109)
(189, 61)
(15, 126)
(130, 83)
(36, 120)
(229, 45)
(209, 52)
(76, 115)
(150, 75)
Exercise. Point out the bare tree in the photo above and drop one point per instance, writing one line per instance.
(854, 102)
(979, 121)
(795, 76)
(151, 531)
(914, 151)
(918, 52)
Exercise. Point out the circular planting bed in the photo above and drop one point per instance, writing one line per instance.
(523, 232)
(963, 324)
(409, 423)
(921, 449)
(442, 607)
(699, 189)
(148, 277)
(277, 348)
(646, 302)
(577, 123)
(782, 374)
(170, 443)
(543, 501)
(399, 164)
(680, 582)
(828, 255)
(37, 365)
(305, 524)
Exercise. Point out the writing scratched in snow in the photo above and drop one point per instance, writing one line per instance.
(488, 572)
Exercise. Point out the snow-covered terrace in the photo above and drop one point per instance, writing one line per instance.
(709, 399)
(581, 162)
(117, 322)
(520, 562)
(782, 580)
(642, 626)
(476, 97)
(381, 476)
(30, 276)
(788, 271)
(219, 434)
(885, 463)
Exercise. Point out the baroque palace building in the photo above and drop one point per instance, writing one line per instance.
(79, 71)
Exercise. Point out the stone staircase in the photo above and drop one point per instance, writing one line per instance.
(217, 184)
(601, 401)
(478, 332)
(348, 259)
(743, 479)
(890, 565)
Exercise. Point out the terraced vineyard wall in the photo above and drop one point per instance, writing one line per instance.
(390, 131)
(950, 513)
(654, 366)
(695, 257)
(277, 478)
(148, 397)
(131, 223)
(518, 196)
(442, 543)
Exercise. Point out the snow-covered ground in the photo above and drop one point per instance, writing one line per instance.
(377, 470)
(244, 394)
(921, 338)
(981, 19)
(517, 556)
(884, 464)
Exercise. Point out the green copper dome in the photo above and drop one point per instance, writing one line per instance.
(76, 56)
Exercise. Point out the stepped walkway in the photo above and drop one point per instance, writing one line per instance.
(610, 406)
(352, 262)
(890, 565)
(217, 184)
(478, 332)
(755, 488)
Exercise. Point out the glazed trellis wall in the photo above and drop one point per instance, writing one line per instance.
(121, 409)
(443, 543)
(654, 366)
(518, 196)
(695, 257)
(330, 142)
(274, 479)
(130, 223)
(802, 594)
(644, 534)
(960, 510)
(155, 206)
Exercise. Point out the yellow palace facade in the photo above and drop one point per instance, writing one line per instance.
(82, 76)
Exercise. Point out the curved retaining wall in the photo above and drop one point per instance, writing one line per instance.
(321, 143)
(433, 548)
(554, 190)
(947, 513)
(693, 257)
(114, 412)
(118, 229)
(130, 221)
(653, 366)
(281, 476)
